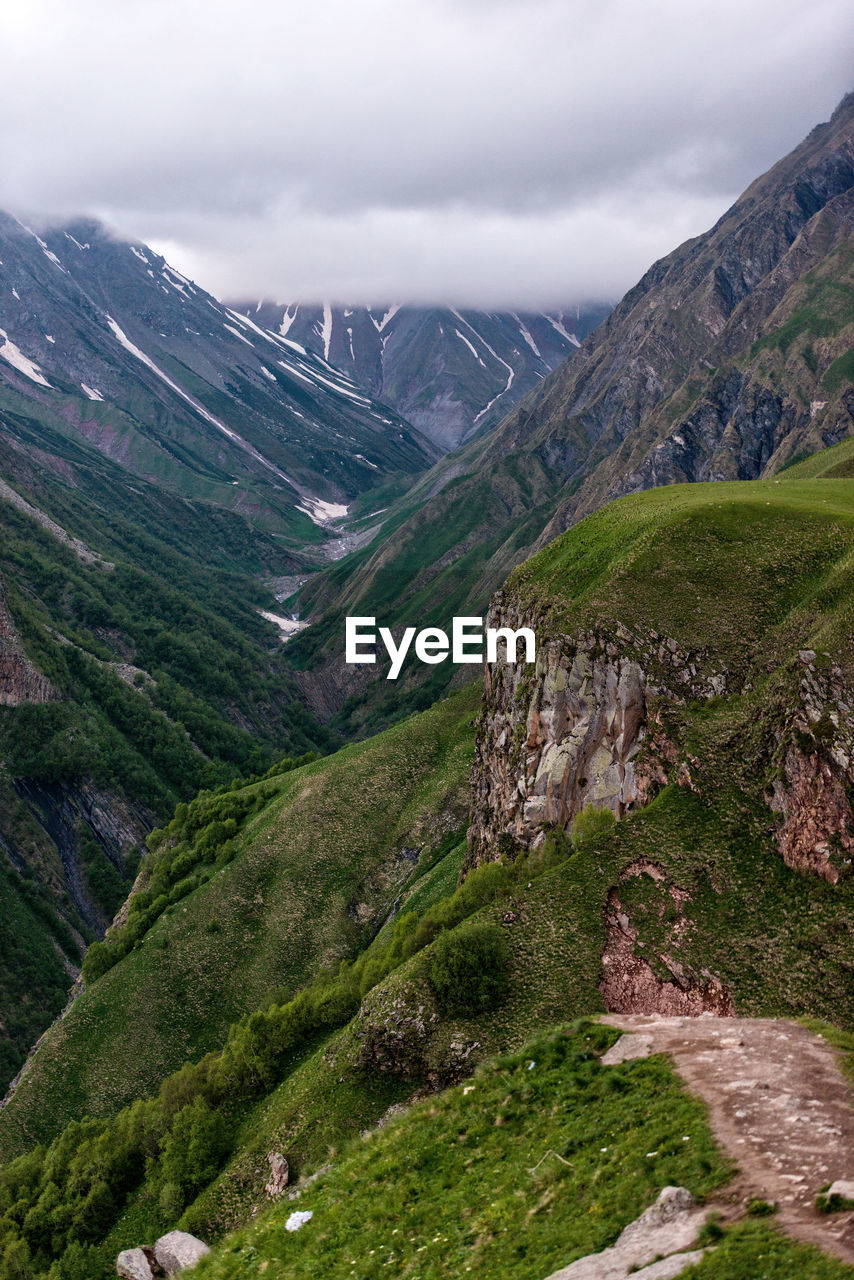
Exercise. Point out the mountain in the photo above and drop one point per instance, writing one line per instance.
(731, 358)
(164, 465)
(137, 664)
(452, 374)
(660, 825)
(106, 342)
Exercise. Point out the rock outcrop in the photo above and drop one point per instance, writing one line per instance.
(630, 984)
(178, 1251)
(133, 1264)
(812, 792)
(652, 1247)
(279, 1175)
(585, 727)
(173, 1253)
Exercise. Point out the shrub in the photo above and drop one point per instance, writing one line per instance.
(591, 823)
(468, 968)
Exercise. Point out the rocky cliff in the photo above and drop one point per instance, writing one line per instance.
(585, 727)
(592, 723)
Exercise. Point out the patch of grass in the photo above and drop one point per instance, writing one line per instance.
(542, 1158)
(841, 1040)
(753, 1250)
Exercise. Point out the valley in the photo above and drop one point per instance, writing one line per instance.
(531, 968)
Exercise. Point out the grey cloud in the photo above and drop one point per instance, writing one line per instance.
(489, 151)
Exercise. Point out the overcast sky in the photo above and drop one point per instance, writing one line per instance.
(485, 152)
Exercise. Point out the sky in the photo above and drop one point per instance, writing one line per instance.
(479, 152)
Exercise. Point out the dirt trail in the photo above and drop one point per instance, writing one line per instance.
(778, 1103)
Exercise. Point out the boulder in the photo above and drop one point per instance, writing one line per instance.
(279, 1174)
(132, 1264)
(178, 1250)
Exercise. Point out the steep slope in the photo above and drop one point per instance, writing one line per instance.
(730, 358)
(130, 676)
(318, 870)
(103, 340)
(452, 374)
(693, 680)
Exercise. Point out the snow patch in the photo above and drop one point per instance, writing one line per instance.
(239, 335)
(326, 330)
(287, 627)
(527, 336)
(510, 371)
(120, 336)
(81, 247)
(92, 392)
(322, 513)
(389, 315)
(361, 458)
(313, 377)
(267, 374)
(138, 254)
(287, 320)
(16, 358)
(558, 325)
(470, 347)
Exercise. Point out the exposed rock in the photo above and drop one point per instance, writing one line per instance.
(629, 984)
(585, 727)
(279, 1175)
(842, 1188)
(812, 793)
(178, 1251)
(626, 1049)
(132, 1264)
(655, 1242)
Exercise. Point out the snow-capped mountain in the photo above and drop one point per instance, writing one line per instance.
(450, 373)
(103, 339)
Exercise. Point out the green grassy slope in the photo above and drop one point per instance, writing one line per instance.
(744, 575)
(543, 1158)
(720, 567)
(317, 870)
(167, 680)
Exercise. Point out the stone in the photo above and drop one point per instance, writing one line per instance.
(279, 1175)
(842, 1188)
(132, 1264)
(178, 1251)
(298, 1219)
(652, 1247)
(627, 1048)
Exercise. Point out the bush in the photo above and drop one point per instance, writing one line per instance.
(591, 823)
(468, 968)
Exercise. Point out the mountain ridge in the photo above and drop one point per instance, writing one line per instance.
(451, 372)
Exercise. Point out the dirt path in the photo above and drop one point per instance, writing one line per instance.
(778, 1103)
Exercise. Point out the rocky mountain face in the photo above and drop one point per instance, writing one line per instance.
(107, 343)
(748, 708)
(730, 359)
(452, 374)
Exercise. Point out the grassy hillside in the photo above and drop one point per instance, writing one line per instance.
(287, 913)
(314, 873)
(162, 678)
(722, 568)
